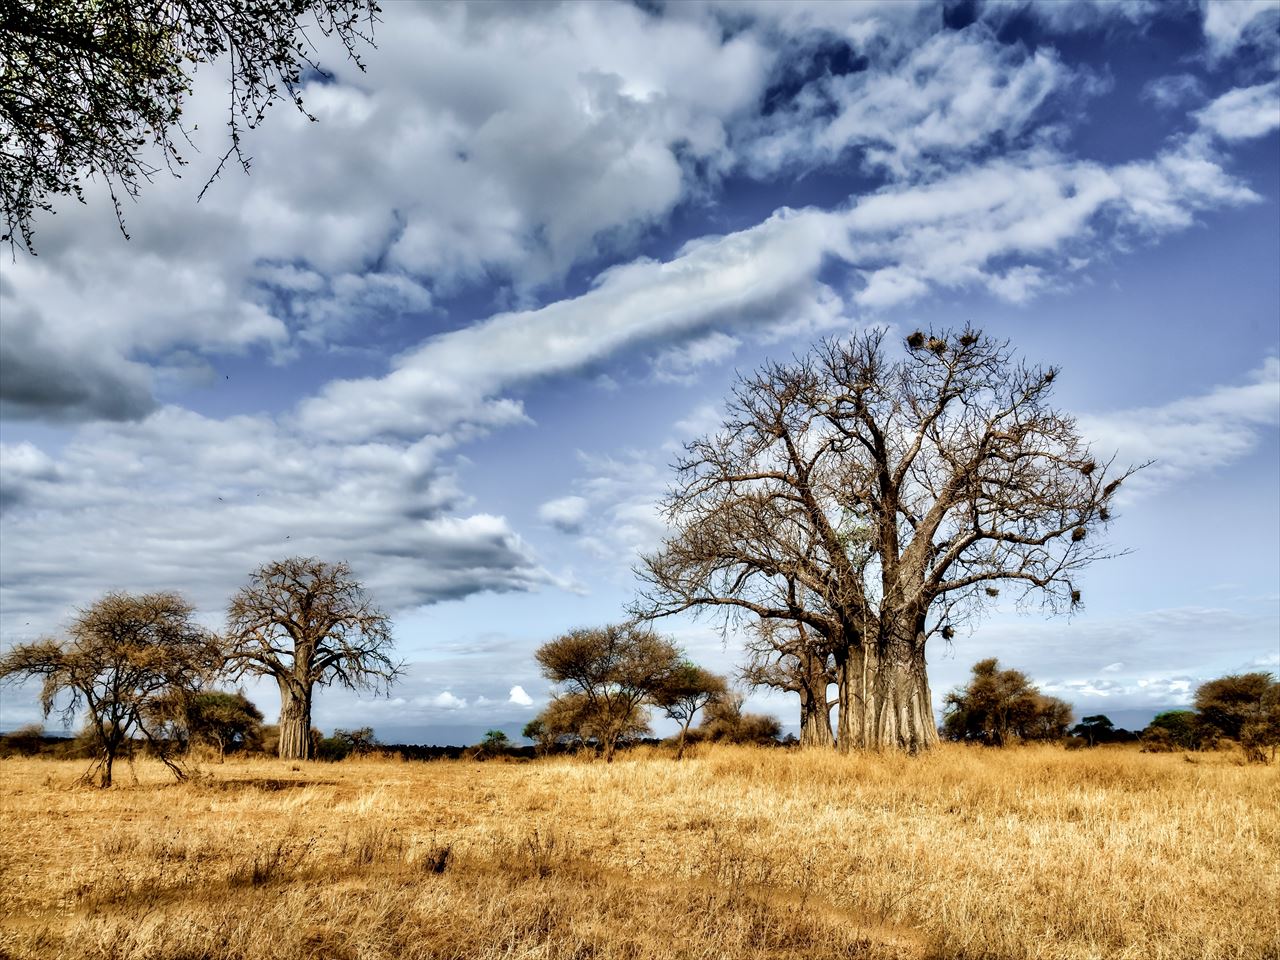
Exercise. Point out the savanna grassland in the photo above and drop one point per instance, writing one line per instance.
(735, 852)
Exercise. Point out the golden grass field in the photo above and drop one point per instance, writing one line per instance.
(736, 852)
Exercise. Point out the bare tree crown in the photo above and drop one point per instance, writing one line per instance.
(848, 483)
(309, 620)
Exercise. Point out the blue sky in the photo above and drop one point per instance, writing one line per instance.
(455, 331)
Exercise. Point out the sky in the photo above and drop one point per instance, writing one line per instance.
(455, 331)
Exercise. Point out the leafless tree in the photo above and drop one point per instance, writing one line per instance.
(787, 655)
(306, 622)
(688, 689)
(611, 672)
(880, 501)
(122, 656)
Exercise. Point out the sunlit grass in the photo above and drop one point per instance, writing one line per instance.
(736, 852)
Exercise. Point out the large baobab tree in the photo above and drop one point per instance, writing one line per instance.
(123, 658)
(878, 501)
(306, 622)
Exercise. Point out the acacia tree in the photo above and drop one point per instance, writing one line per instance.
(997, 706)
(787, 655)
(724, 720)
(214, 718)
(122, 657)
(305, 622)
(571, 720)
(609, 672)
(1244, 707)
(878, 502)
(688, 689)
(85, 86)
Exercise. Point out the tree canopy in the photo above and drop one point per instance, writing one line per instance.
(86, 86)
(881, 500)
(997, 706)
(686, 690)
(608, 674)
(121, 658)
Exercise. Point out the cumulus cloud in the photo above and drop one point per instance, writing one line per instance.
(188, 502)
(519, 697)
(447, 701)
(555, 135)
(547, 136)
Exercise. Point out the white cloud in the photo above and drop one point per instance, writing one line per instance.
(680, 363)
(180, 501)
(1066, 16)
(1231, 24)
(1037, 209)
(519, 697)
(1192, 434)
(566, 514)
(1173, 91)
(448, 701)
(554, 136)
(951, 95)
(1243, 113)
(753, 277)
(624, 490)
(483, 143)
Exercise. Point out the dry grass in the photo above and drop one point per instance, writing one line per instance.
(736, 853)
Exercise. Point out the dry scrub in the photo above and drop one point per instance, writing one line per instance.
(735, 853)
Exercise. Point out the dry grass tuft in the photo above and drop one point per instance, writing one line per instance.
(966, 853)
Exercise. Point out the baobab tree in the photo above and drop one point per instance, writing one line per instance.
(305, 623)
(879, 501)
(123, 657)
(787, 655)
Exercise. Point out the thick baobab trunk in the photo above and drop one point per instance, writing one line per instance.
(885, 703)
(295, 722)
(815, 711)
(815, 718)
